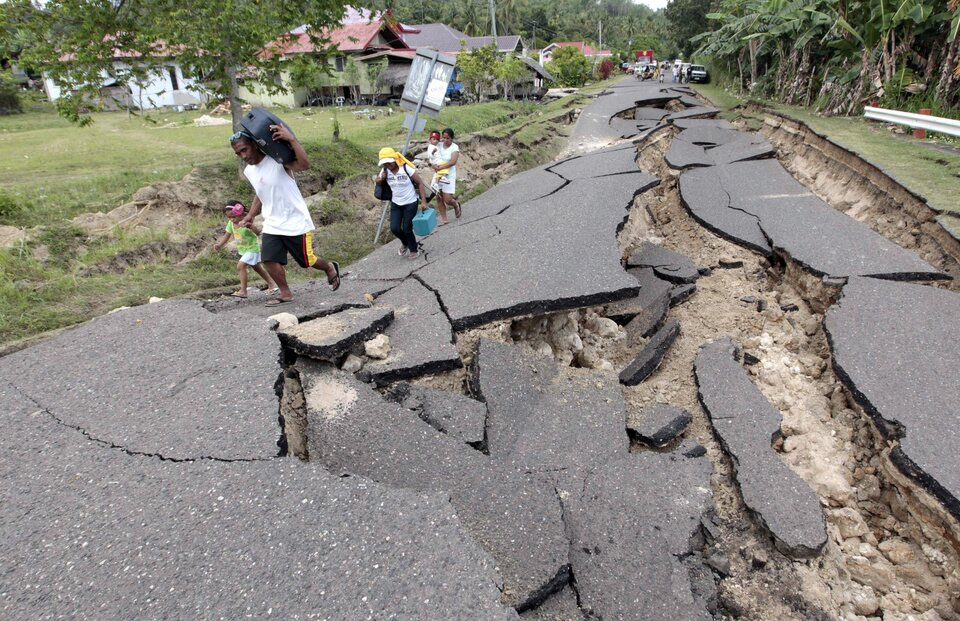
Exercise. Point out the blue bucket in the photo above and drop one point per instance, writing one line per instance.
(425, 221)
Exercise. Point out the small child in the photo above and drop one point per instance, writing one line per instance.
(433, 156)
(248, 245)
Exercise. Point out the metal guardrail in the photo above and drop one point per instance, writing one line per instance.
(916, 121)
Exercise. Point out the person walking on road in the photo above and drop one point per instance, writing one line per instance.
(248, 246)
(401, 175)
(446, 168)
(287, 225)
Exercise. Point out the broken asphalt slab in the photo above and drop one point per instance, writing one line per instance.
(511, 380)
(516, 518)
(659, 424)
(612, 161)
(912, 395)
(331, 336)
(93, 532)
(561, 420)
(667, 264)
(759, 204)
(310, 299)
(448, 412)
(702, 193)
(168, 379)
(644, 312)
(629, 529)
(421, 340)
(652, 355)
(475, 290)
(746, 425)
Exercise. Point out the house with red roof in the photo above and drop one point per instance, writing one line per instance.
(361, 37)
(592, 54)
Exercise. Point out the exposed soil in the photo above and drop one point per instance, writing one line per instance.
(891, 553)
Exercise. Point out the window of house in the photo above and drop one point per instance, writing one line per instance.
(174, 84)
(339, 63)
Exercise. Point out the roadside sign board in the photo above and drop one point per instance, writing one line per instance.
(431, 85)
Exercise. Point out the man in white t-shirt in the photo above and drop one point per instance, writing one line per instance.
(287, 224)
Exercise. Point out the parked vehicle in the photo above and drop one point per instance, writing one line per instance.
(698, 73)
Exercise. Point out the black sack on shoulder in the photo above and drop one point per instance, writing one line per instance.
(382, 191)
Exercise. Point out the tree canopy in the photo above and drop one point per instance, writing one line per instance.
(75, 42)
(569, 66)
(840, 55)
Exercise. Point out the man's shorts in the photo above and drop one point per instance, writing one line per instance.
(274, 248)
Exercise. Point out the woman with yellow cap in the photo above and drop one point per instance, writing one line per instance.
(401, 175)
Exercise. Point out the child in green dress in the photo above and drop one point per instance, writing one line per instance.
(248, 245)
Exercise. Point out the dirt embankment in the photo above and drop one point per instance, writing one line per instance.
(864, 192)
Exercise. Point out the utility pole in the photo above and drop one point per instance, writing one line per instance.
(493, 19)
(601, 33)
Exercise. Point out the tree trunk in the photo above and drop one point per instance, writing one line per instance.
(753, 63)
(235, 111)
(948, 73)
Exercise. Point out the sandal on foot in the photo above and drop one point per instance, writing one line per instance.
(335, 281)
(277, 302)
(237, 294)
(402, 251)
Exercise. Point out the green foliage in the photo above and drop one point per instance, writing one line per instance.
(604, 69)
(10, 206)
(477, 70)
(569, 66)
(9, 95)
(508, 71)
(214, 39)
(871, 49)
(62, 240)
(540, 22)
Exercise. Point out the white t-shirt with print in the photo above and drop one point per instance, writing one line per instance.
(401, 184)
(284, 210)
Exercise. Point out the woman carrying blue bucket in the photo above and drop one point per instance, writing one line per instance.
(401, 175)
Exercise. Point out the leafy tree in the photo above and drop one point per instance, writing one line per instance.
(604, 69)
(9, 99)
(687, 19)
(508, 71)
(569, 66)
(477, 69)
(76, 41)
(352, 71)
(376, 72)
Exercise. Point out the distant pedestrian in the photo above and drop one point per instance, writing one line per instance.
(674, 71)
(446, 168)
(401, 175)
(660, 74)
(686, 73)
(248, 245)
(287, 225)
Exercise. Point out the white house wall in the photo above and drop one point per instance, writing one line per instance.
(157, 92)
